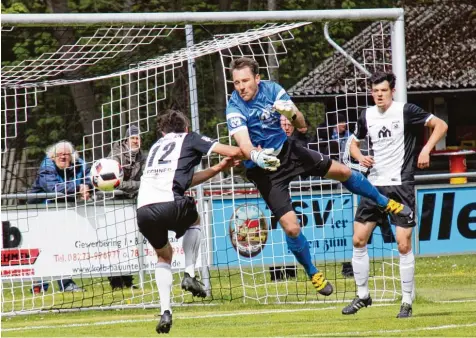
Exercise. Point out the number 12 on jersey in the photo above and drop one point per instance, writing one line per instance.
(162, 151)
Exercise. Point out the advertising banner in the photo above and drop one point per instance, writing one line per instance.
(96, 240)
(245, 234)
(104, 240)
(447, 220)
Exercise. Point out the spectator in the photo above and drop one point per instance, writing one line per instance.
(129, 155)
(340, 131)
(340, 134)
(63, 171)
(300, 135)
(286, 126)
(132, 160)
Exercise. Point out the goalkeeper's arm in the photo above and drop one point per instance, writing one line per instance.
(291, 112)
(262, 157)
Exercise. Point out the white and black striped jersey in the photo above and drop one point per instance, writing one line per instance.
(395, 136)
(170, 166)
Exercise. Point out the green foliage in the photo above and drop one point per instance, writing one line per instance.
(308, 50)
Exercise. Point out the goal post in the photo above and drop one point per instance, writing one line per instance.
(134, 75)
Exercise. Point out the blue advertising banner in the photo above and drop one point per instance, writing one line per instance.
(244, 233)
(447, 220)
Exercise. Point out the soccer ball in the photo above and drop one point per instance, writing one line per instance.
(106, 174)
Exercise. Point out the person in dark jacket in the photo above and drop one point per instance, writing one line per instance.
(130, 157)
(132, 160)
(63, 172)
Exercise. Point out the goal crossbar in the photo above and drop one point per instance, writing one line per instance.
(241, 17)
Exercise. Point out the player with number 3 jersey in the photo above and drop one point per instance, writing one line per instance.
(163, 206)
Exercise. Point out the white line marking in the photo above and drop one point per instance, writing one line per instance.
(122, 321)
(428, 328)
(246, 313)
(456, 301)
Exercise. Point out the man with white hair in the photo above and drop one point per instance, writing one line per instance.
(62, 171)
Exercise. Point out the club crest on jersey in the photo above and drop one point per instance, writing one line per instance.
(267, 116)
(235, 122)
(384, 133)
(395, 124)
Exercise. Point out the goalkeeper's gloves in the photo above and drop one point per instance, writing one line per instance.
(286, 108)
(264, 159)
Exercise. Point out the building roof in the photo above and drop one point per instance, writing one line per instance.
(440, 47)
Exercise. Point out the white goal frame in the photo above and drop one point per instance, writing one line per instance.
(394, 15)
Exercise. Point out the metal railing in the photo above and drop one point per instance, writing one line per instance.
(229, 186)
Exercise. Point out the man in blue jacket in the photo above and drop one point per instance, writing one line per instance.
(62, 171)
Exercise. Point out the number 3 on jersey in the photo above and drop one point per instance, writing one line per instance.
(162, 151)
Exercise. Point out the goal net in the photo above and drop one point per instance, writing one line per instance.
(89, 85)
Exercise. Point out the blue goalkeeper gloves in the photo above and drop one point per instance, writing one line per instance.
(265, 159)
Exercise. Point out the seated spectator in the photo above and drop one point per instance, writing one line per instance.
(129, 155)
(63, 171)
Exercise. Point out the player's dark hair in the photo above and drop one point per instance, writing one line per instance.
(244, 62)
(380, 77)
(172, 121)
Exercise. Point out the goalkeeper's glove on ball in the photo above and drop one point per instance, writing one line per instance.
(265, 159)
(286, 108)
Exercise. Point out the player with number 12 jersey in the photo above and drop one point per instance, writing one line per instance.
(162, 205)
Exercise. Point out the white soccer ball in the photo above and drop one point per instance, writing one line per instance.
(106, 174)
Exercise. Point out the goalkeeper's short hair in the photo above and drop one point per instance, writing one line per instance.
(243, 62)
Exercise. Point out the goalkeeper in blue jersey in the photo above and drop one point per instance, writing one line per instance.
(253, 118)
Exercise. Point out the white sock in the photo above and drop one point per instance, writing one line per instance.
(191, 244)
(407, 274)
(360, 265)
(164, 279)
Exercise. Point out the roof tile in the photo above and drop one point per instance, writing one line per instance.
(440, 47)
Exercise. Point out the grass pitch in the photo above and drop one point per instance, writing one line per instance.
(445, 306)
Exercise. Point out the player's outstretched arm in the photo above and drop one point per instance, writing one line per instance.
(226, 150)
(262, 157)
(243, 140)
(288, 109)
(204, 175)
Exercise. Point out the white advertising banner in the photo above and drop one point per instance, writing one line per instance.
(85, 240)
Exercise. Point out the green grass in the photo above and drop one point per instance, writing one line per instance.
(439, 279)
